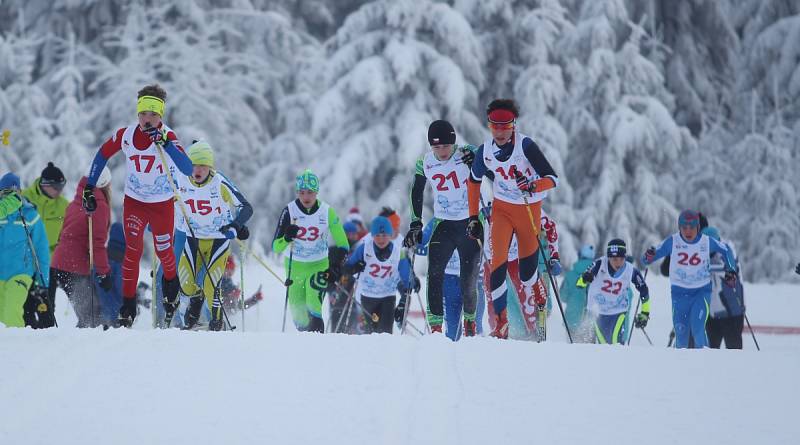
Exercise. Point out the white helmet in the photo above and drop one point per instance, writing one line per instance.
(105, 178)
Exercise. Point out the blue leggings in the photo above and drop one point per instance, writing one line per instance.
(610, 329)
(689, 314)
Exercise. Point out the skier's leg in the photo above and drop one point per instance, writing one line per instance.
(681, 305)
(733, 332)
(315, 293)
(701, 299)
(215, 252)
(469, 254)
(714, 330)
(134, 218)
(370, 306)
(297, 293)
(162, 223)
(13, 293)
(386, 315)
(439, 253)
(452, 310)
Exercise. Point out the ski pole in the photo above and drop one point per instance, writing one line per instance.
(741, 305)
(671, 338)
(408, 296)
(35, 257)
(241, 285)
(546, 262)
(243, 246)
(372, 316)
(636, 311)
(288, 282)
(177, 195)
(92, 272)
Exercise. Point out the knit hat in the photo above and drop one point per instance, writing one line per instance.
(616, 248)
(689, 218)
(381, 225)
(350, 227)
(441, 132)
(307, 181)
(52, 176)
(201, 153)
(355, 216)
(9, 181)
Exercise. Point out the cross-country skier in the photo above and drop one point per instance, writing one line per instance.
(690, 276)
(726, 311)
(446, 168)
(303, 235)
(383, 270)
(609, 279)
(519, 173)
(217, 213)
(148, 193)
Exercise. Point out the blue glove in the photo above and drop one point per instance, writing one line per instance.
(555, 267)
(229, 233)
(156, 135)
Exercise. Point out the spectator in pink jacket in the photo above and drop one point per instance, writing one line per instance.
(69, 269)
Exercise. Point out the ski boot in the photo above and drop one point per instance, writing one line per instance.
(127, 313)
(469, 328)
(192, 314)
(501, 325)
(216, 323)
(171, 300)
(436, 329)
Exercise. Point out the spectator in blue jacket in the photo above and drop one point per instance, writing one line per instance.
(26, 255)
(726, 312)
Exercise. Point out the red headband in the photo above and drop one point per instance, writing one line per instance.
(501, 116)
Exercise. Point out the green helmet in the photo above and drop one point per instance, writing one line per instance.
(200, 153)
(307, 181)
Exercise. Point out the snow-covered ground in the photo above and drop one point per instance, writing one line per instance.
(69, 386)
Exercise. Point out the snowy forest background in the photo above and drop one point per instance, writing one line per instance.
(644, 107)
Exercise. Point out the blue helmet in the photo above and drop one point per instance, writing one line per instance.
(9, 181)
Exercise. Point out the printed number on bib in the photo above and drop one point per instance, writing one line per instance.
(685, 260)
(201, 206)
(375, 270)
(510, 174)
(148, 161)
(442, 186)
(613, 287)
(312, 232)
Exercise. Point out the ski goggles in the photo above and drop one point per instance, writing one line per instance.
(503, 126)
(58, 185)
(150, 103)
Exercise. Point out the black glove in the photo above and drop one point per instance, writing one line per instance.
(467, 156)
(797, 270)
(641, 319)
(649, 255)
(400, 310)
(414, 234)
(359, 266)
(587, 277)
(243, 233)
(291, 232)
(416, 285)
(523, 183)
(105, 282)
(89, 202)
(332, 274)
(730, 278)
(475, 228)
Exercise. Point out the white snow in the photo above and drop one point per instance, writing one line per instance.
(69, 386)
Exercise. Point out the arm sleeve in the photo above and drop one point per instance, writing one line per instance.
(178, 156)
(107, 150)
(405, 273)
(547, 176)
(641, 287)
(663, 249)
(42, 246)
(477, 172)
(722, 249)
(551, 233)
(9, 205)
(355, 256)
(279, 244)
(417, 192)
(337, 230)
(236, 199)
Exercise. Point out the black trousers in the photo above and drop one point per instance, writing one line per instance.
(384, 308)
(728, 329)
(448, 237)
